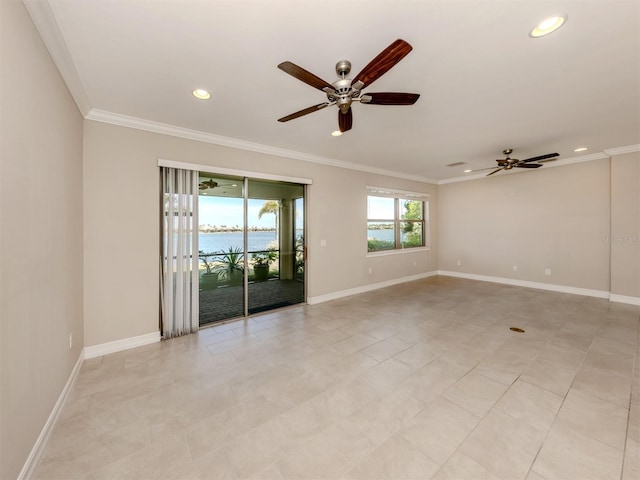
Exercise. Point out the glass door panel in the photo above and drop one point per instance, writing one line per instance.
(221, 247)
(275, 233)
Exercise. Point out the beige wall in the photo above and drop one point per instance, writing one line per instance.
(41, 237)
(121, 223)
(548, 218)
(625, 225)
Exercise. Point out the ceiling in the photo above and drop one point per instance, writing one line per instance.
(484, 84)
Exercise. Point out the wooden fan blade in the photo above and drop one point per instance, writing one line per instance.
(495, 171)
(389, 98)
(304, 76)
(345, 120)
(302, 112)
(528, 165)
(547, 160)
(541, 157)
(383, 62)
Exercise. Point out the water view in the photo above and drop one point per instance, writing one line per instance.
(222, 241)
(261, 240)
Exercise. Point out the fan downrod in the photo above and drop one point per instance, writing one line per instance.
(343, 91)
(343, 67)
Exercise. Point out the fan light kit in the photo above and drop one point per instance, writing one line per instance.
(548, 25)
(509, 163)
(336, 133)
(344, 91)
(201, 94)
(580, 149)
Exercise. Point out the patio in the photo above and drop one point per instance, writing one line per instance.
(226, 302)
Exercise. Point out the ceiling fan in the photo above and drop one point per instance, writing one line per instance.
(344, 91)
(508, 163)
(211, 183)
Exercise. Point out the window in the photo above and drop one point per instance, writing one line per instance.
(396, 220)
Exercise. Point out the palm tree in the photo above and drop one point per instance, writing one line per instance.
(270, 206)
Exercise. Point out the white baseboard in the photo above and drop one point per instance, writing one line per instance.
(366, 288)
(624, 299)
(38, 448)
(120, 345)
(483, 278)
(88, 352)
(525, 283)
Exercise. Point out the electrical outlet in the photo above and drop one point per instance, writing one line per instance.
(70, 340)
(370, 270)
(459, 262)
(547, 271)
(415, 264)
(515, 268)
(323, 243)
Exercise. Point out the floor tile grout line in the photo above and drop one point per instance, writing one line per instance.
(474, 428)
(498, 400)
(564, 398)
(633, 374)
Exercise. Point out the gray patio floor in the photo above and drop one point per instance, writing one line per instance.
(223, 303)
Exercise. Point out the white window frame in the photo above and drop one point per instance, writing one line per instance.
(401, 195)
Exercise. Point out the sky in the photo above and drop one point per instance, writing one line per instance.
(229, 211)
(380, 208)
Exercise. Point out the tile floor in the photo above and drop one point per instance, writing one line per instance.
(421, 380)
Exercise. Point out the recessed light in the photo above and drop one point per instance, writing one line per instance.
(580, 149)
(548, 25)
(201, 93)
(468, 171)
(336, 133)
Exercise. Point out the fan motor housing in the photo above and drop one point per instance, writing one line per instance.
(343, 93)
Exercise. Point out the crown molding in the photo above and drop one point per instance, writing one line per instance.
(558, 163)
(174, 131)
(44, 20)
(622, 150)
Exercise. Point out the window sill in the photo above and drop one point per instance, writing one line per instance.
(402, 251)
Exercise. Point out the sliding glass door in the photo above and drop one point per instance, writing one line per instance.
(221, 248)
(273, 233)
(251, 246)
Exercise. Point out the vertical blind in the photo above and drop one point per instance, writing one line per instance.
(179, 253)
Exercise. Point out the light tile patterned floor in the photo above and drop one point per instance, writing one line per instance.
(421, 380)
